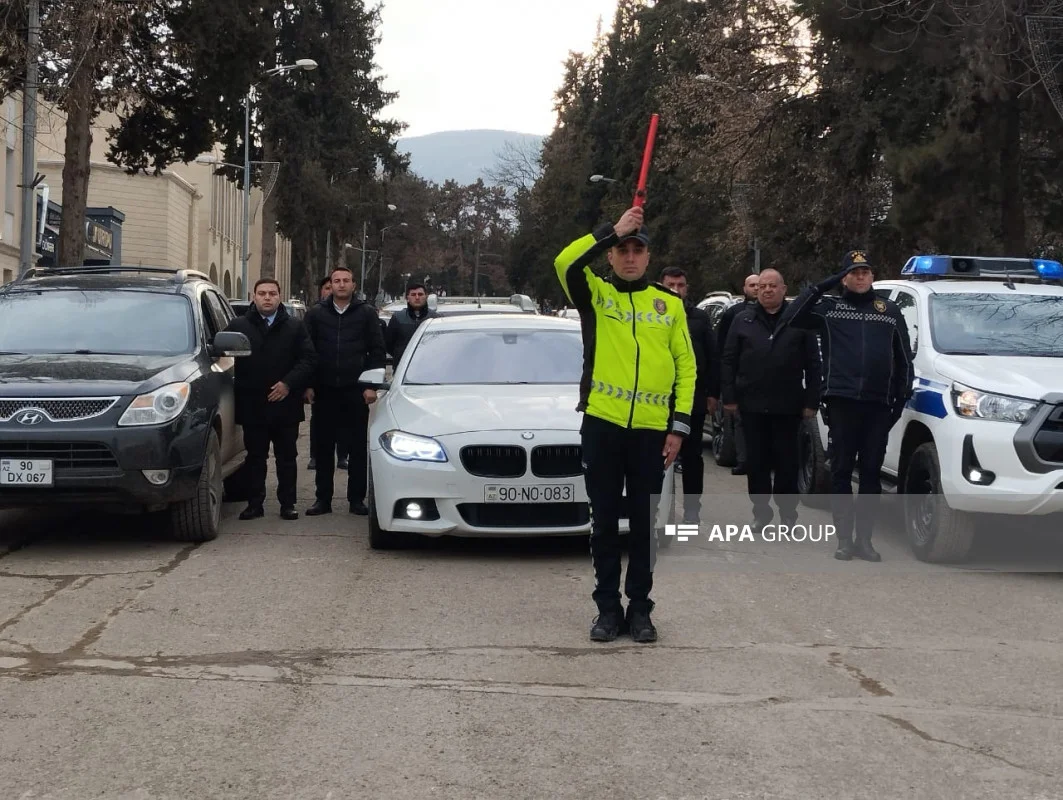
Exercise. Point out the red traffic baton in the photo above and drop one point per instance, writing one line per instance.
(647, 157)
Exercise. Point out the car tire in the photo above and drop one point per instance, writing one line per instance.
(380, 539)
(198, 519)
(813, 475)
(724, 450)
(936, 533)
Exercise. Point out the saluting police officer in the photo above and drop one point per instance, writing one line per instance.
(867, 382)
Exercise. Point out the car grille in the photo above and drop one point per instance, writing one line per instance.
(494, 460)
(557, 461)
(1048, 442)
(525, 515)
(57, 409)
(64, 455)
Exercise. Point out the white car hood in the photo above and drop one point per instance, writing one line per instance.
(1029, 378)
(445, 410)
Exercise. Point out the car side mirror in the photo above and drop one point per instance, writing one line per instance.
(375, 378)
(230, 343)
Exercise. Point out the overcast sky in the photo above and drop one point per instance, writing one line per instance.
(467, 64)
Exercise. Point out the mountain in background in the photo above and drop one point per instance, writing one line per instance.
(463, 156)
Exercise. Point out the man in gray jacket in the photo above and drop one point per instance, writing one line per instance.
(403, 324)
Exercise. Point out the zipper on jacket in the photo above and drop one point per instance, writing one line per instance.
(638, 353)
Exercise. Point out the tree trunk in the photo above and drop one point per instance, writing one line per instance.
(1013, 212)
(80, 110)
(268, 263)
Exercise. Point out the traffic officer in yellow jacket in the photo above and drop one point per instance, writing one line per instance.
(636, 394)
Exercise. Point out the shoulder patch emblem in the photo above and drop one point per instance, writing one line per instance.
(660, 305)
(880, 306)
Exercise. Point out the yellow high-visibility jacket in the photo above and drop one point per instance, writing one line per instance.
(636, 345)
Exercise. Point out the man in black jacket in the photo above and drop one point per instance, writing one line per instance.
(723, 326)
(868, 360)
(346, 333)
(324, 289)
(403, 324)
(771, 376)
(706, 394)
(269, 386)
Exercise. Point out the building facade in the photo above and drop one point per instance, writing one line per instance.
(188, 217)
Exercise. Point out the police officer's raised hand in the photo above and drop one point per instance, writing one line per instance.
(278, 391)
(629, 223)
(672, 443)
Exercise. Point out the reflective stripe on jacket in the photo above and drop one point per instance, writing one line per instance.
(638, 360)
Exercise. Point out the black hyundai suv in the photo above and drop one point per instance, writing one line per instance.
(116, 392)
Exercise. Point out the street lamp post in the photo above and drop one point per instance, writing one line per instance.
(302, 63)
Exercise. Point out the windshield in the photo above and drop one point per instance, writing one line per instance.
(496, 357)
(86, 322)
(997, 324)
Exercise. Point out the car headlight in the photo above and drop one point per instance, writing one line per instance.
(407, 447)
(155, 408)
(973, 404)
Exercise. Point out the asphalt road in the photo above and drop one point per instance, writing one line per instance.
(288, 660)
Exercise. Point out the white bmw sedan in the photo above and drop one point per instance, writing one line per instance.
(477, 433)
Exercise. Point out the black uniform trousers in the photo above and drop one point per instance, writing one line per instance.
(612, 457)
(771, 452)
(342, 448)
(691, 455)
(859, 431)
(343, 419)
(257, 439)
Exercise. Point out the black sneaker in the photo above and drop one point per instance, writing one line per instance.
(641, 627)
(607, 626)
(359, 508)
(342, 464)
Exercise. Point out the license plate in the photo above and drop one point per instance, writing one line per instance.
(25, 472)
(552, 493)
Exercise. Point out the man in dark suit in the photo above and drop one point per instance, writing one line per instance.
(269, 386)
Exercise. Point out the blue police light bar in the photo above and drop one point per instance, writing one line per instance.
(927, 265)
(1049, 270)
(985, 267)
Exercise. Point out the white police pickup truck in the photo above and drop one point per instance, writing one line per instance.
(983, 431)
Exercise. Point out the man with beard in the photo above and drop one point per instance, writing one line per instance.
(867, 358)
(723, 327)
(403, 324)
(706, 394)
(347, 336)
(268, 387)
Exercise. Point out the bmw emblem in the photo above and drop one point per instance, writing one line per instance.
(30, 417)
(527, 435)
